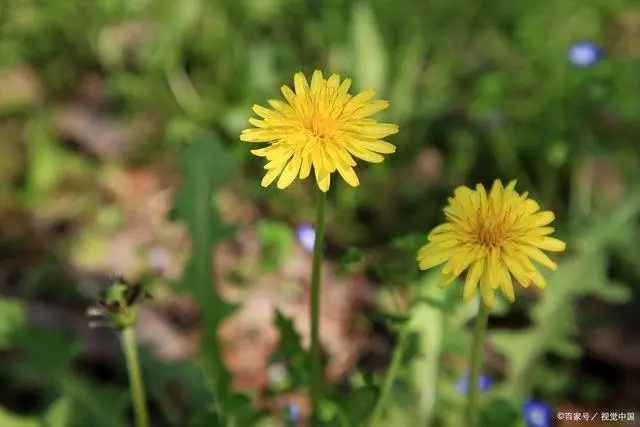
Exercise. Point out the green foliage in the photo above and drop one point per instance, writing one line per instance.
(291, 353)
(58, 415)
(206, 166)
(555, 325)
(276, 243)
(479, 90)
(13, 316)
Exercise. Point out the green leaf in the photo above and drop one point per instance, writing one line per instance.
(276, 243)
(427, 325)
(353, 256)
(7, 419)
(554, 320)
(58, 415)
(161, 377)
(410, 243)
(499, 413)
(369, 52)
(291, 352)
(206, 166)
(57, 361)
(13, 316)
(357, 404)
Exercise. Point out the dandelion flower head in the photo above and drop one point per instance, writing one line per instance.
(494, 236)
(321, 126)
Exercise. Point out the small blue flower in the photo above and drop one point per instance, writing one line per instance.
(584, 54)
(306, 235)
(484, 383)
(537, 413)
(293, 414)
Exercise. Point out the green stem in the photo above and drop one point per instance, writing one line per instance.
(392, 373)
(316, 363)
(135, 378)
(476, 364)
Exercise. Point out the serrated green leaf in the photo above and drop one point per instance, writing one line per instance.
(291, 352)
(554, 315)
(206, 165)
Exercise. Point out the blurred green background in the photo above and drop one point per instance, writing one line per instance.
(99, 101)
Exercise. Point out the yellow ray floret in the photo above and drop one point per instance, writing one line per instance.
(320, 126)
(494, 237)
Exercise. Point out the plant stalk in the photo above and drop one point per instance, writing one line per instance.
(475, 363)
(135, 378)
(316, 377)
(396, 361)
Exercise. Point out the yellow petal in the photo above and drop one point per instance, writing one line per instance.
(363, 154)
(538, 256)
(551, 244)
(493, 264)
(305, 167)
(318, 164)
(335, 157)
(262, 152)
(362, 97)
(506, 284)
(279, 160)
(375, 131)
(290, 172)
(324, 182)
(344, 86)
(288, 94)
(270, 176)
(300, 85)
(471, 282)
(259, 123)
(378, 146)
(256, 135)
(263, 112)
(442, 228)
(542, 218)
(537, 279)
(333, 81)
(446, 279)
(459, 262)
(435, 256)
(349, 175)
(316, 82)
(486, 288)
(496, 194)
(280, 107)
(518, 271)
(344, 155)
(370, 109)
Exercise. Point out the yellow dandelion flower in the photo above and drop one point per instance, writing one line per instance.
(495, 236)
(320, 126)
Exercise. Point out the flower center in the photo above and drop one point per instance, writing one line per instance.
(490, 233)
